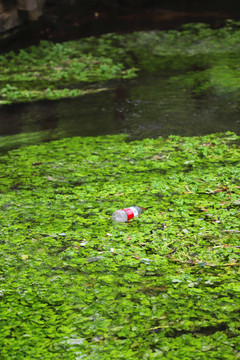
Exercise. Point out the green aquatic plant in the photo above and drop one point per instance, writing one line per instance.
(195, 56)
(166, 285)
(52, 71)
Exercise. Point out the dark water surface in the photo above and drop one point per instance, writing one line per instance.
(147, 106)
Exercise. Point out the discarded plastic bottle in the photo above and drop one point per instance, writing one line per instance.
(126, 214)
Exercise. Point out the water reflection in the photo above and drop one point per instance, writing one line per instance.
(148, 106)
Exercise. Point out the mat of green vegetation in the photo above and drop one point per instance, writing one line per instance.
(74, 285)
(197, 57)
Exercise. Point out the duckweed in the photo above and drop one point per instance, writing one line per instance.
(74, 285)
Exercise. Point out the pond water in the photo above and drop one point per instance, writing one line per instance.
(147, 106)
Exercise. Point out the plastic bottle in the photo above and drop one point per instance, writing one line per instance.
(126, 214)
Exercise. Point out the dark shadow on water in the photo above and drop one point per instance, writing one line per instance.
(64, 23)
(143, 107)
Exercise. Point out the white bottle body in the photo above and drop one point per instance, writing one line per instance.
(126, 214)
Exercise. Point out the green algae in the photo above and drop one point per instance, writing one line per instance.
(166, 285)
(12, 141)
(196, 57)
